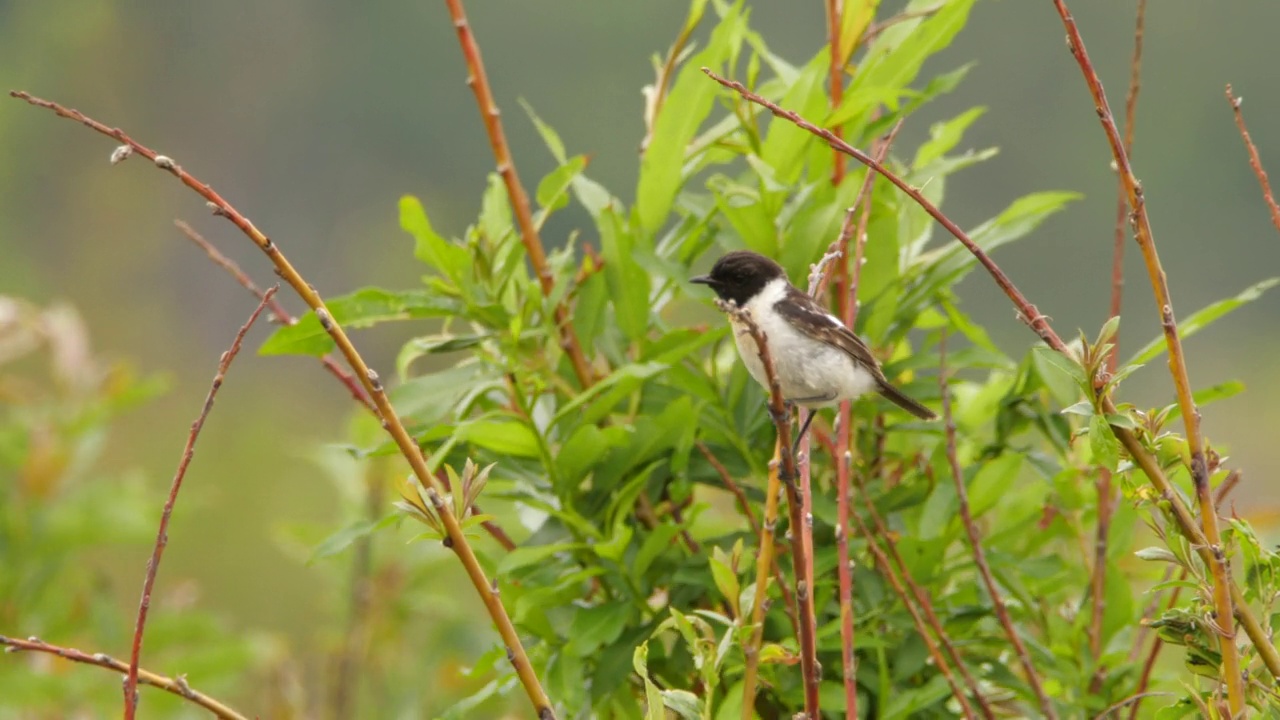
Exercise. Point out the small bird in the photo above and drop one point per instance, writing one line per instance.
(818, 361)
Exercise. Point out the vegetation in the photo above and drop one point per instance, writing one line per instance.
(1029, 555)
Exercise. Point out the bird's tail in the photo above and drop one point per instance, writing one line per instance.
(897, 397)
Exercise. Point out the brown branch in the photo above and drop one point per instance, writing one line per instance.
(1039, 324)
(835, 78)
(1260, 638)
(1027, 312)
(1177, 362)
(1255, 161)
(926, 605)
(975, 544)
(162, 533)
(851, 270)
(176, 685)
(801, 524)
(284, 317)
(732, 486)
(887, 570)
(457, 540)
(1130, 116)
(478, 81)
(278, 313)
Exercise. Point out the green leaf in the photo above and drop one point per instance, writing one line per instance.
(1103, 443)
(361, 309)
(688, 104)
(553, 190)
(1204, 396)
(433, 345)
(1068, 367)
(894, 60)
(628, 282)
(725, 579)
(505, 438)
(783, 148)
(1201, 319)
(683, 703)
(549, 135)
(622, 381)
(342, 539)
(598, 625)
(992, 482)
(525, 556)
(944, 136)
(429, 247)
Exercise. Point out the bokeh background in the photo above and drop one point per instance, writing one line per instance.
(314, 117)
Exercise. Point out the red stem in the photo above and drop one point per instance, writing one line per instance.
(162, 534)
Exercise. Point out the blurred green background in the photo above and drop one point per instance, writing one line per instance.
(314, 117)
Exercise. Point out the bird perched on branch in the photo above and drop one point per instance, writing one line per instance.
(818, 361)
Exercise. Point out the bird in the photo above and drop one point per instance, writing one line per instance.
(818, 361)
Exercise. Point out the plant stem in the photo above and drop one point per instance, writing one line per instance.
(478, 81)
(162, 532)
(975, 544)
(391, 422)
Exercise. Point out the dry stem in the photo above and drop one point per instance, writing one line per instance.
(278, 313)
(801, 524)
(926, 606)
(162, 533)
(921, 629)
(1255, 161)
(975, 544)
(1040, 325)
(1177, 363)
(478, 81)
(408, 447)
(176, 685)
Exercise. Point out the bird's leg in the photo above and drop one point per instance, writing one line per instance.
(795, 448)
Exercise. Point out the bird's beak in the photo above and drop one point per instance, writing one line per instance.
(701, 280)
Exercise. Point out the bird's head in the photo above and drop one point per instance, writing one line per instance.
(740, 275)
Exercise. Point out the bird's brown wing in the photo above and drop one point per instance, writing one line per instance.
(809, 318)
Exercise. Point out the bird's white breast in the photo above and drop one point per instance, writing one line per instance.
(811, 373)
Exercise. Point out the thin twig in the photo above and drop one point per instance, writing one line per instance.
(835, 78)
(408, 446)
(1027, 312)
(1255, 161)
(176, 685)
(1039, 324)
(801, 524)
(278, 313)
(851, 270)
(284, 317)
(975, 544)
(1177, 363)
(1106, 493)
(874, 29)
(162, 533)
(926, 605)
(478, 81)
(1130, 120)
(731, 485)
(939, 660)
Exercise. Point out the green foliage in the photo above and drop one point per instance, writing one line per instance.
(633, 576)
(58, 508)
